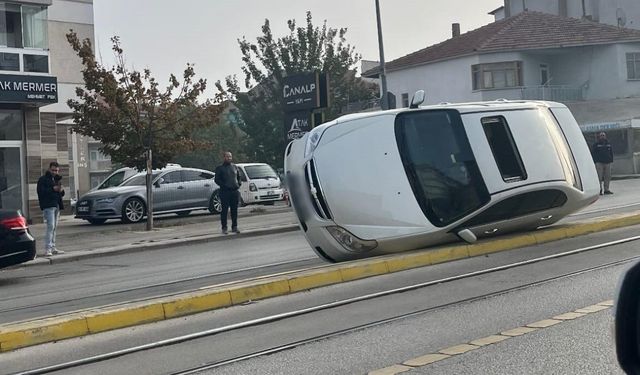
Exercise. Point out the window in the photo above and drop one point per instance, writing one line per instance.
(633, 65)
(544, 74)
(520, 205)
(10, 125)
(10, 61)
(260, 172)
(36, 63)
(172, 177)
(196, 176)
(405, 100)
(496, 75)
(113, 181)
(140, 179)
(10, 25)
(504, 148)
(440, 165)
(34, 27)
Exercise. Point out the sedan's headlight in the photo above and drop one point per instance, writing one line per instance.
(313, 139)
(106, 200)
(350, 241)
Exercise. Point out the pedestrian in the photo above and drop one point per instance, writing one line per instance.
(602, 154)
(228, 179)
(50, 193)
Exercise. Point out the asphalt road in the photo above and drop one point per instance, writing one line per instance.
(456, 312)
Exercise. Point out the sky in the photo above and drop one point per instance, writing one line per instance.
(165, 35)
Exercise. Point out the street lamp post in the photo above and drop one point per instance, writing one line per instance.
(383, 73)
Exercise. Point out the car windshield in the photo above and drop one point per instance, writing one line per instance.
(139, 180)
(114, 180)
(440, 165)
(260, 171)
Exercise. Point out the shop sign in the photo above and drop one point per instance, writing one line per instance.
(297, 124)
(28, 89)
(604, 126)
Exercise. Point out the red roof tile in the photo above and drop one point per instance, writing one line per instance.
(527, 30)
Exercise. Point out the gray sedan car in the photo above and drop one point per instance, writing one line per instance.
(176, 190)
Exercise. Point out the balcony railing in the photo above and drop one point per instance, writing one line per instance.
(557, 93)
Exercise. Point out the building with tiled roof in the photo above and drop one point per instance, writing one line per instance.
(535, 55)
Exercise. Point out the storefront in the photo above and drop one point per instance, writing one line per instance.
(27, 141)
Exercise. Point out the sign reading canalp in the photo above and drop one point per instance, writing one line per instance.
(301, 95)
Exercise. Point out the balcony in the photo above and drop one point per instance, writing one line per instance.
(557, 93)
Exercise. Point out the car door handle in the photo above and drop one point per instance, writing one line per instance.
(207, 185)
(546, 217)
(492, 231)
(180, 187)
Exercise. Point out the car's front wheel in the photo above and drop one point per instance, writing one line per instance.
(133, 210)
(215, 204)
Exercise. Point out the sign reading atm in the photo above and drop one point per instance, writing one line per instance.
(28, 89)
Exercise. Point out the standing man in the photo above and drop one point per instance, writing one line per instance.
(50, 193)
(602, 154)
(228, 178)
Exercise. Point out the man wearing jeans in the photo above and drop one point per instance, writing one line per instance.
(50, 193)
(228, 178)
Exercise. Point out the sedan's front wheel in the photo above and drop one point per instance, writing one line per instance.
(133, 210)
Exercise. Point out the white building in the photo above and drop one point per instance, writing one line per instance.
(38, 74)
(534, 55)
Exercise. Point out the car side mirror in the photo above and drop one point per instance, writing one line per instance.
(467, 235)
(417, 99)
(627, 321)
(159, 182)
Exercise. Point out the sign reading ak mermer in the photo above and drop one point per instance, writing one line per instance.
(28, 89)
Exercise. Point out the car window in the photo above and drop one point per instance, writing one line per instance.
(172, 177)
(139, 180)
(440, 165)
(260, 171)
(196, 175)
(114, 180)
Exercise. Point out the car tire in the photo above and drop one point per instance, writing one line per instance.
(97, 221)
(215, 204)
(183, 213)
(133, 210)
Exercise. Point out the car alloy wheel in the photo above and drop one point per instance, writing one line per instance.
(216, 204)
(133, 210)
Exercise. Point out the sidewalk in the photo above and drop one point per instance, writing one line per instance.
(85, 241)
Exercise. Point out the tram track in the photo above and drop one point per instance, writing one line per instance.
(327, 306)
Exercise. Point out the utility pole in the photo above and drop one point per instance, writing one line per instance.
(149, 176)
(383, 72)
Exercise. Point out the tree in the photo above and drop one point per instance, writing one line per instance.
(128, 112)
(267, 61)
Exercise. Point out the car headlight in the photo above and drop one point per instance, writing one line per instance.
(313, 139)
(351, 242)
(253, 187)
(106, 200)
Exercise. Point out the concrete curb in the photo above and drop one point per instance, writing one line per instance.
(28, 333)
(162, 244)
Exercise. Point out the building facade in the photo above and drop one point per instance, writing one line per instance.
(38, 74)
(538, 56)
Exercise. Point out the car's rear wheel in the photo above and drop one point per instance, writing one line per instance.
(133, 210)
(215, 204)
(97, 221)
(183, 213)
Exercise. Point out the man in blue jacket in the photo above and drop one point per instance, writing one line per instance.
(50, 193)
(228, 179)
(602, 153)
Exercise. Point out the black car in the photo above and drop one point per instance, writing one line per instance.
(17, 245)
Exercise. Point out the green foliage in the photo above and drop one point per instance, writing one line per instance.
(266, 62)
(128, 112)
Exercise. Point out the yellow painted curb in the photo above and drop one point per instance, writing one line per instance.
(17, 335)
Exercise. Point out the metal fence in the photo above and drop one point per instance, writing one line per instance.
(558, 93)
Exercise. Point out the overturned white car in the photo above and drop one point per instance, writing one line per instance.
(391, 181)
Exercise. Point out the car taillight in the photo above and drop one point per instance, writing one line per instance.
(14, 223)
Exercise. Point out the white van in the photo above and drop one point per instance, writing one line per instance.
(260, 184)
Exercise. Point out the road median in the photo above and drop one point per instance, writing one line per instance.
(37, 331)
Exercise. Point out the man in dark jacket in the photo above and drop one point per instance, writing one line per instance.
(228, 179)
(50, 193)
(602, 154)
